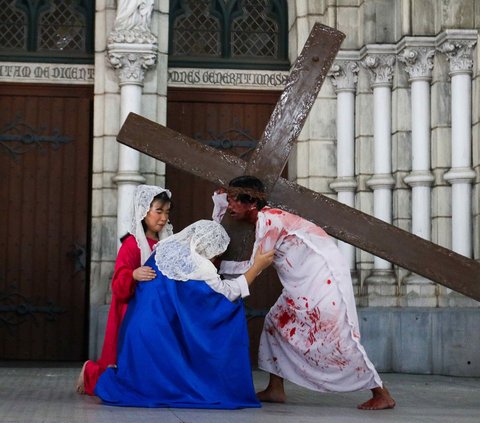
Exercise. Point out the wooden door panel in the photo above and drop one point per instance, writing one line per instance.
(232, 121)
(45, 172)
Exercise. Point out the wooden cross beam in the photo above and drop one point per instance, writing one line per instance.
(345, 223)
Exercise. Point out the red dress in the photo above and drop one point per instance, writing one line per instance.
(123, 288)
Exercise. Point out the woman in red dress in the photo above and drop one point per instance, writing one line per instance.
(151, 208)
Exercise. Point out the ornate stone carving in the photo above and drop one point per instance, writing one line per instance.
(344, 75)
(380, 67)
(132, 48)
(132, 36)
(131, 65)
(418, 62)
(134, 14)
(132, 23)
(460, 55)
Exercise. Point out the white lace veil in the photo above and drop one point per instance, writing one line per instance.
(142, 199)
(186, 255)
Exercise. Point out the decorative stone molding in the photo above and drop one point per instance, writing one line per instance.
(458, 46)
(131, 61)
(418, 62)
(460, 175)
(380, 67)
(127, 178)
(344, 75)
(133, 36)
(459, 54)
(131, 47)
(47, 73)
(344, 184)
(227, 78)
(379, 181)
(419, 178)
(382, 288)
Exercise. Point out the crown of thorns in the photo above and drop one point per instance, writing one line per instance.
(235, 191)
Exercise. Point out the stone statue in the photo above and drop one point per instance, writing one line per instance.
(132, 24)
(134, 15)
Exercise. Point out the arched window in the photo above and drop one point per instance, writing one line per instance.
(229, 33)
(47, 30)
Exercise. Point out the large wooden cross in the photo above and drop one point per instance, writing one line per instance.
(270, 156)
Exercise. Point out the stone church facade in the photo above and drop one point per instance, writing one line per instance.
(395, 132)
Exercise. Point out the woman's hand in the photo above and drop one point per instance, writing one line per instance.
(262, 260)
(144, 274)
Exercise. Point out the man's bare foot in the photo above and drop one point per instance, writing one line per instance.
(381, 400)
(80, 381)
(271, 395)
(274, 392)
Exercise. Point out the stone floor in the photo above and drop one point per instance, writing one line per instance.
(46, 395)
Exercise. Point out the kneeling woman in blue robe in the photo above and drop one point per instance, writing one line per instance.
(183, 342)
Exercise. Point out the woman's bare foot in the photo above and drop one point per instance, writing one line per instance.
(80, 381)
(270, 395)
(381, 400)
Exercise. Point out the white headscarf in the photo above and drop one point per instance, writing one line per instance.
(142, 200)
(186, 255)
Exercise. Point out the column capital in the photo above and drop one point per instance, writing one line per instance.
(131, 47)
(380, 67)
(418, 62)
(458, 47)
(344, 74)
(132, 61)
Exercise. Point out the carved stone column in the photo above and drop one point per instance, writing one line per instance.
(458, 46)
(132, 50)
(418, 61)
(381, 284)
(344, 75)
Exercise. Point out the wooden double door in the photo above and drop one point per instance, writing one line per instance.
(232, 121)
(45, 184)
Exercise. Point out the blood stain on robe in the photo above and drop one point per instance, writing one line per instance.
(274, 211)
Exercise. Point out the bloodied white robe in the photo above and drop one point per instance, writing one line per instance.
(311, 334)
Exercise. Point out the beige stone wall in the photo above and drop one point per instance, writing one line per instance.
(105, 159)
(379, 23)
(313, 163)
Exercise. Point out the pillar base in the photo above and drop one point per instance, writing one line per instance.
(382, 289)
(417, 291)
(449, 298)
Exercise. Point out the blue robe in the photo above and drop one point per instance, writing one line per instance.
(181, 345)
